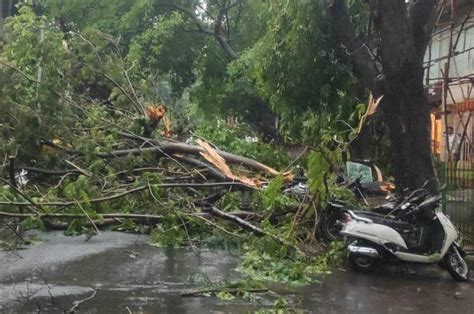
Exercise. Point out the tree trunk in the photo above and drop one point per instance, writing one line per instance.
(6, 9)
(2, 19)
(407, 116)
(264, 120)
(360, 146)
(393, 68)
(405, 30)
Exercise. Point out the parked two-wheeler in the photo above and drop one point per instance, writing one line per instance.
(417, 233)
(332, 218)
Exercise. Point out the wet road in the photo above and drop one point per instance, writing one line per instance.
(130, 275)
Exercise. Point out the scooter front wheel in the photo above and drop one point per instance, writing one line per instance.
(456, 265)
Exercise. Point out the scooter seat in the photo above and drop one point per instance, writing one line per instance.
(385, 220)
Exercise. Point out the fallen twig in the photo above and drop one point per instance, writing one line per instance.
(214, 225)
(244, 215)
(248, 226)
(200, 293)
(51, 172)
(82, 171)
(213, 172)
(134, 190)
(237, 220)
(75, 304)
(88, 217)
(55, 225)
(74, 216)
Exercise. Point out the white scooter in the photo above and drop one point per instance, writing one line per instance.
(429, 238)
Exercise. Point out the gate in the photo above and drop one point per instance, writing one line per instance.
(459, 196)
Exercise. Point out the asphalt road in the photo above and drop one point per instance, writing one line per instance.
(122, 273)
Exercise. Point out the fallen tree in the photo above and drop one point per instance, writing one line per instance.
(203, 186)
(97, 150)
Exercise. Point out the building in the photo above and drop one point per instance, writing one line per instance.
(449, 77)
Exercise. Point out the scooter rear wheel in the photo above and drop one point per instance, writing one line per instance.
(456, 265)
(362, 263)
(331, 227)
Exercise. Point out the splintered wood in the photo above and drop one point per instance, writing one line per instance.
(155, 113)
(372, 106)
(212, 156)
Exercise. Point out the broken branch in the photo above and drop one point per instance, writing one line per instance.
(118, 195)
(176, 148)
(75, 216)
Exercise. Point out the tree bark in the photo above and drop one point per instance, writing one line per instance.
(5, 11)
(404, 33)
(407, 116)
(2, 19)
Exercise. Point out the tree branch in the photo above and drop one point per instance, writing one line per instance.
(31, 204)
(121, 194)
(343, 33)
(75, 216)
(213, 172)
(174, 148)
(202, 28)
(51, 172)
(250, 227)
(200, 25)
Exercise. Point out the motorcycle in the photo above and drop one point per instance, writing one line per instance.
(417, 233)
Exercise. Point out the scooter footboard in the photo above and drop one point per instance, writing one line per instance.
(416, 258)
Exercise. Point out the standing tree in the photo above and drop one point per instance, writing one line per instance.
(387, 58)
(234, 25)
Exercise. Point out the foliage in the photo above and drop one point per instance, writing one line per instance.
(295, 43)
(272, 196)
(170, 233)
(264, 261)
(318, 168)
(29, 102)
(269, 268)
(154, 54)
(32, 223)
